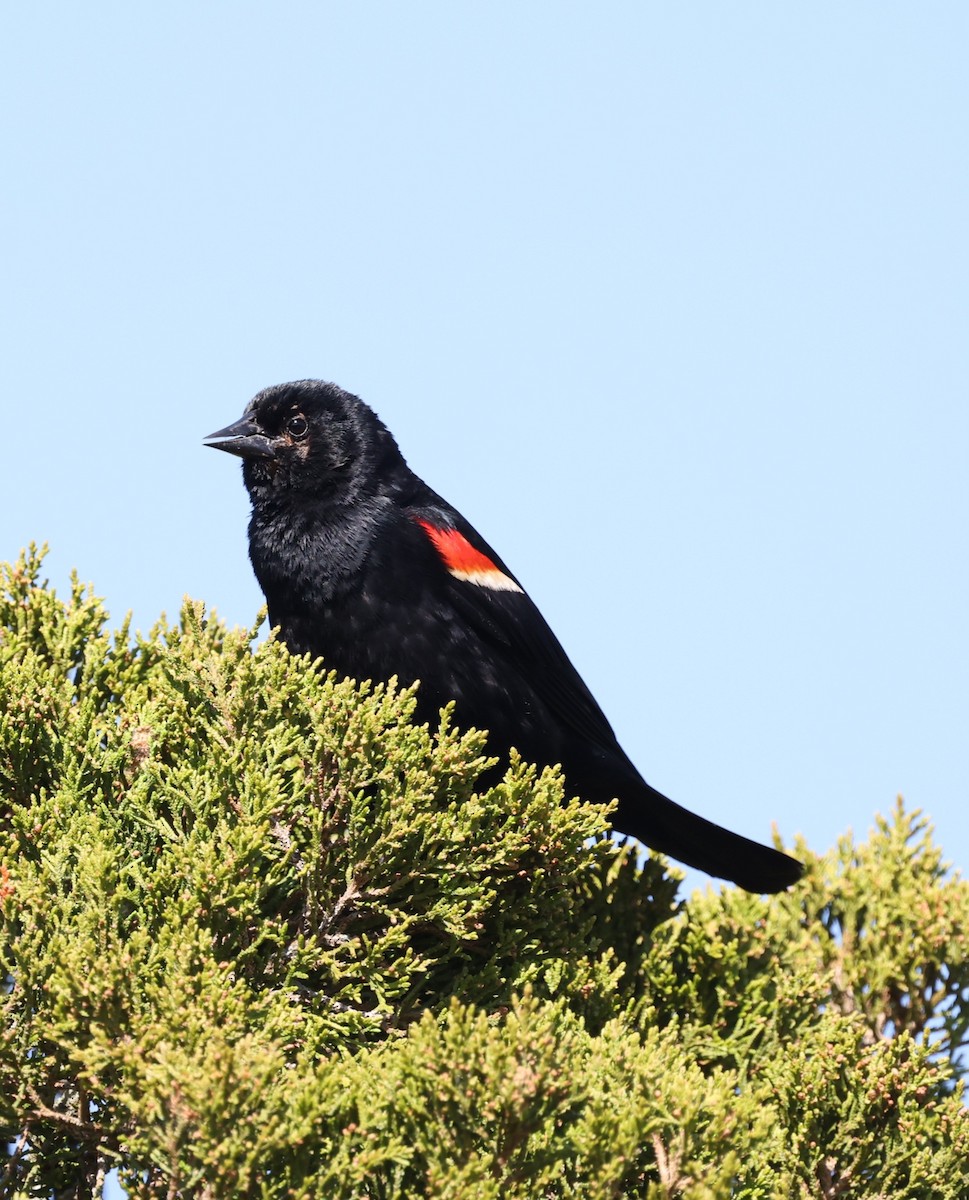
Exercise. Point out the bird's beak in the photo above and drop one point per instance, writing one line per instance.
(242, 438)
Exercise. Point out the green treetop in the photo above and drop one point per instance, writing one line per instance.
(261, 937)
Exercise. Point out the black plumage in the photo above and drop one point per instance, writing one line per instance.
(363, 565)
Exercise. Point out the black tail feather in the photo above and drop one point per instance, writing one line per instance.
(663, 825)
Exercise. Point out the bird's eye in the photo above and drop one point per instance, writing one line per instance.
(296, 426)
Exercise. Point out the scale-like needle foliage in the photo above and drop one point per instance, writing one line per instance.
(261, 937)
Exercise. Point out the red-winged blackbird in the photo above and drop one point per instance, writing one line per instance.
(367, 568)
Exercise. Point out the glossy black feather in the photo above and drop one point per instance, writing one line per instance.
(346, 542)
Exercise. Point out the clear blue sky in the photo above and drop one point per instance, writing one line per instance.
(671, 300)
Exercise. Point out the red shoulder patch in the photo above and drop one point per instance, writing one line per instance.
(464, 561)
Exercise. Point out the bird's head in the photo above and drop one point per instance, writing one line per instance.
(311, 438)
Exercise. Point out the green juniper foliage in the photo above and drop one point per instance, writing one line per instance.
(261, 937)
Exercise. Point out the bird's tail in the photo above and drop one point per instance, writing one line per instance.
(662, 825)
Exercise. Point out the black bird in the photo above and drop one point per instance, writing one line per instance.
(367, 568)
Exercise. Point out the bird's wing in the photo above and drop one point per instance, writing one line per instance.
(491, 601)
(496, 606)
